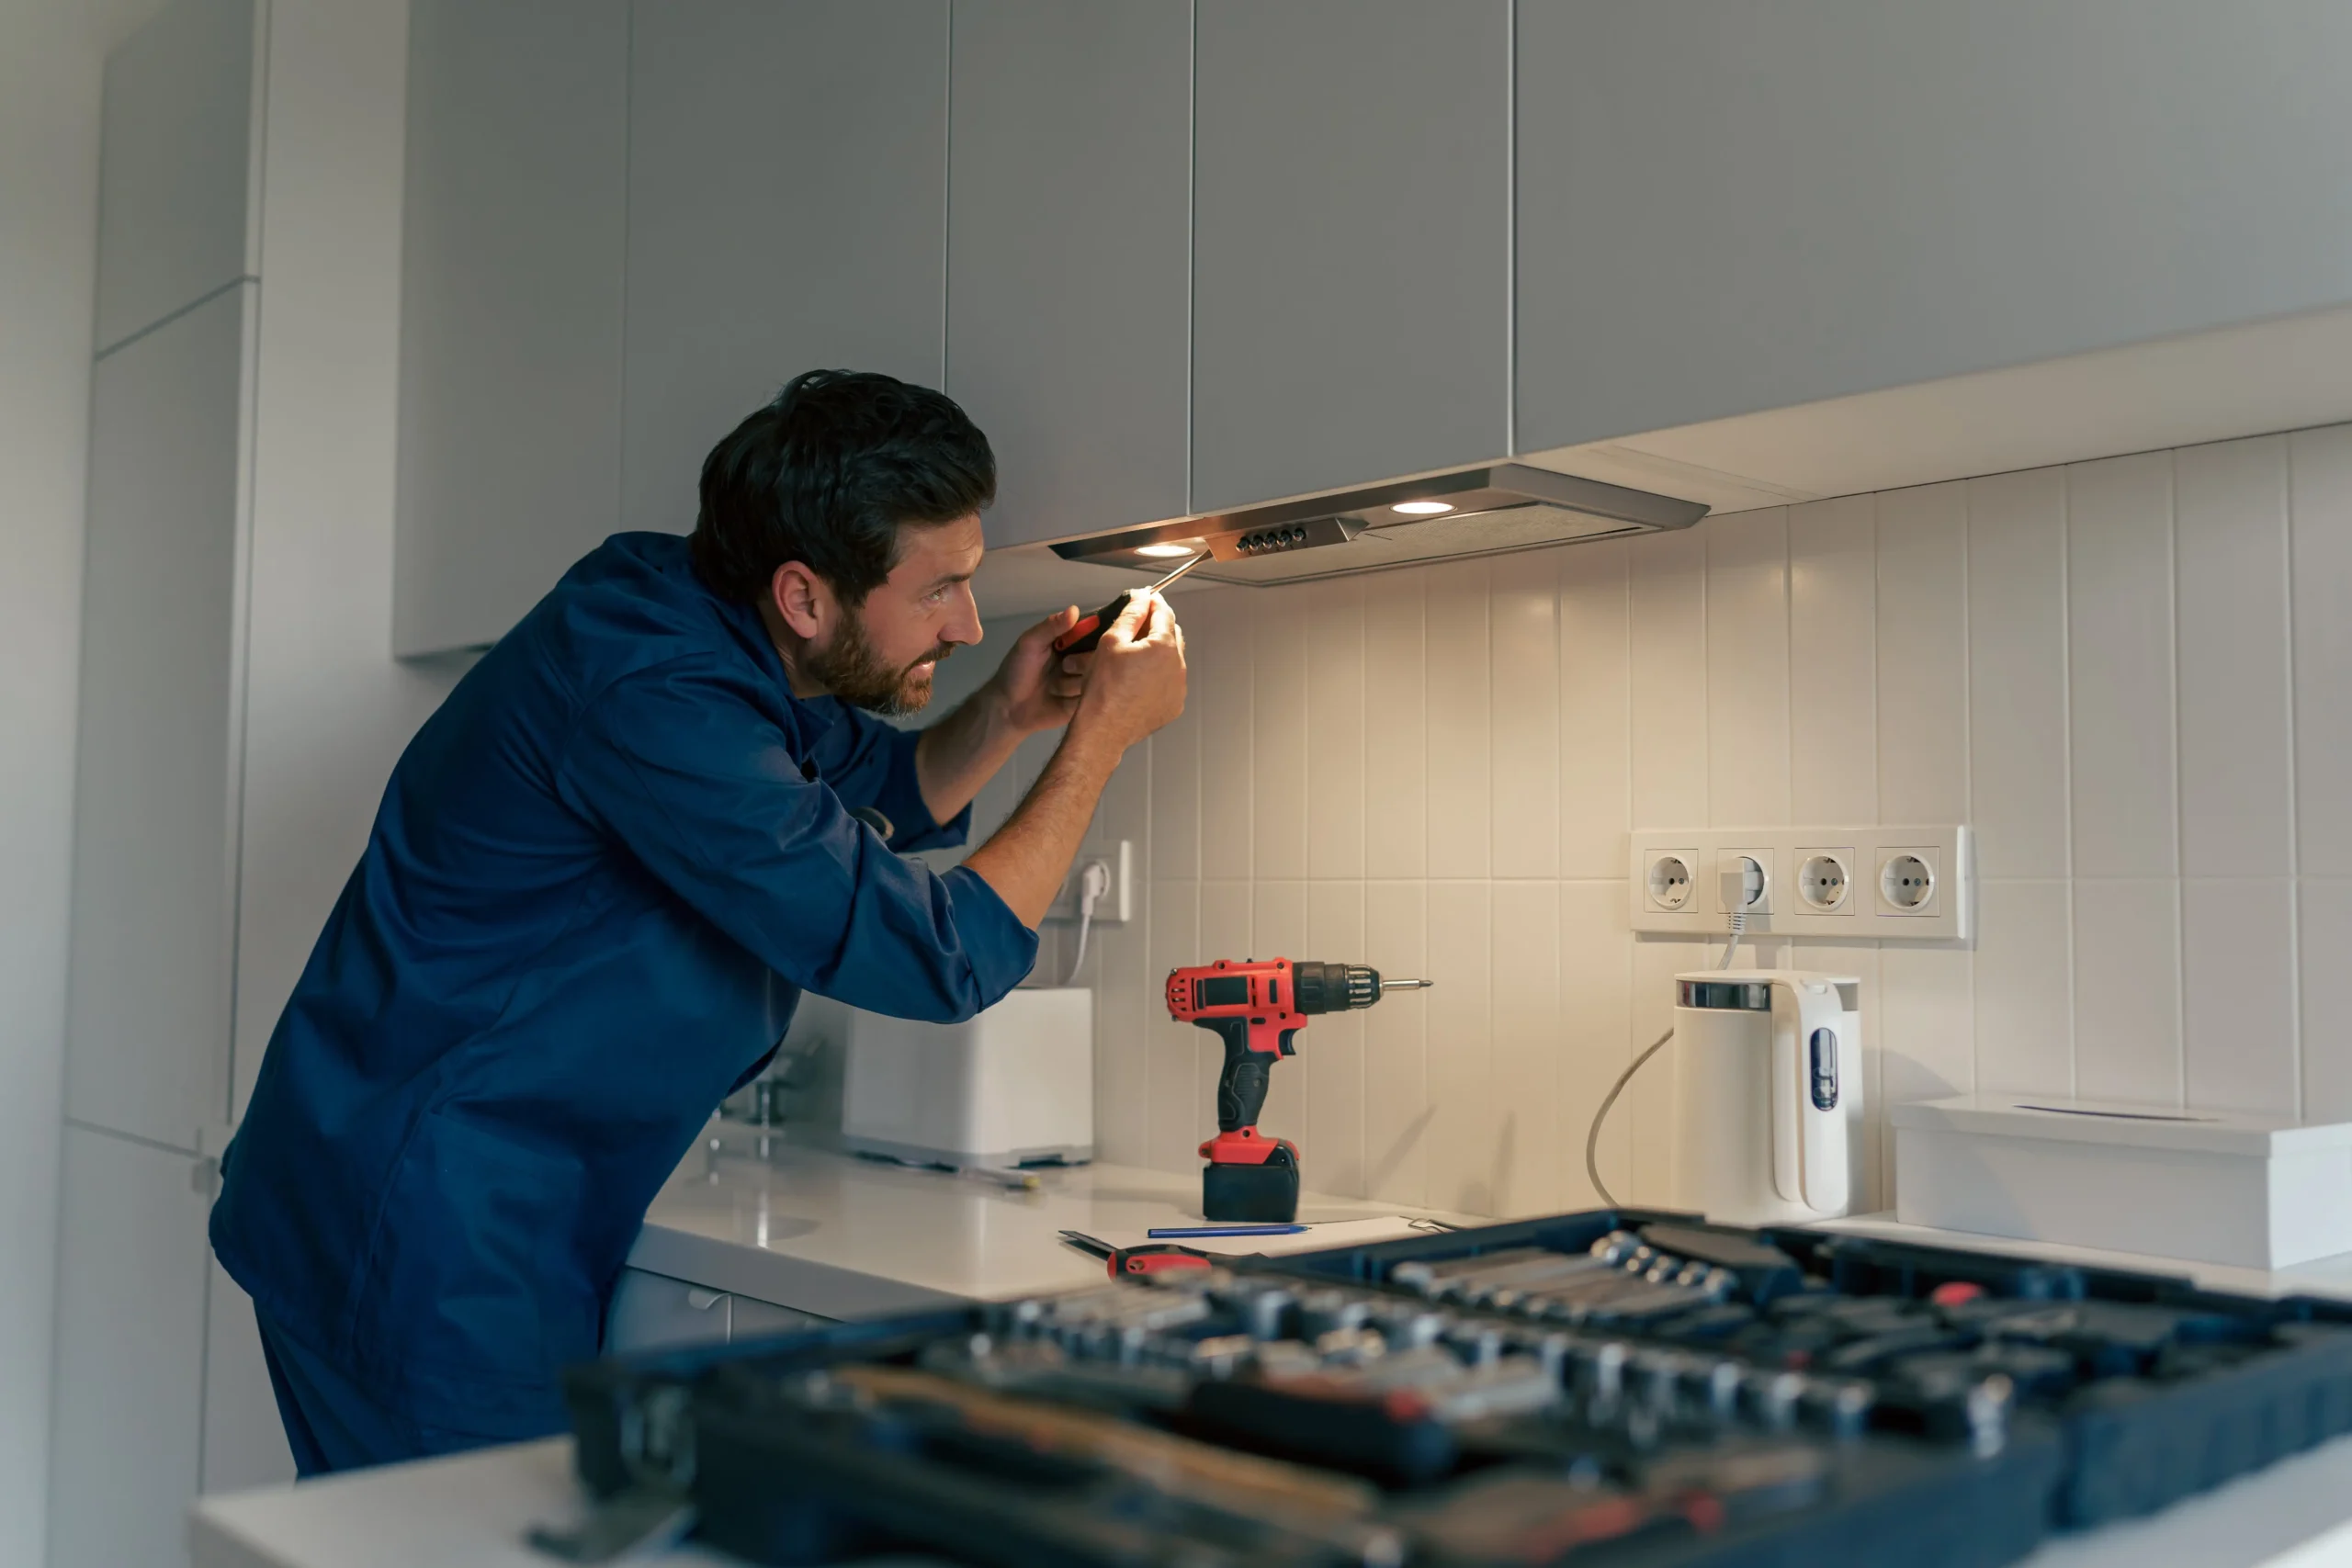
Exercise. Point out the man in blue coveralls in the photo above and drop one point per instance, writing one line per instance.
(599, 880)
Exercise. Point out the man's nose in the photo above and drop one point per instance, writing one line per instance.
(962, 626)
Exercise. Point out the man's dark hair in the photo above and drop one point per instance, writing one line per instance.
(827, 473)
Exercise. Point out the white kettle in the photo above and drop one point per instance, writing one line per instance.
(1768, 1095)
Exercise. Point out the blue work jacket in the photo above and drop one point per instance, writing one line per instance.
(600, 878)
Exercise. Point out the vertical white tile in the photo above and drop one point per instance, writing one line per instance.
(1747, 668)
(2323, 936)
(1833, 628)
(2320, 462)
(1333, 1047)
(1396, 1111)
(1596, 1024)
(1458, 719)
(1125, 1001)
(2022, 995)
(1228, 909)
(1277, 930)
(1595, 740)
(1174, 754)
(2127, 989)
(1179, 1112)
(2017, 675)
(1396, 774)
(1222, 689)
(2120, 657)
(1338, 732)
(1927, 1031)
(1646, 1111)
(2230, 507)
(1124, 810)
(1667, 598)
(2238, 952)
(1278, 753)
(1923, 655)
(1460, 1053)
(1524, 816)
(1529, 1145)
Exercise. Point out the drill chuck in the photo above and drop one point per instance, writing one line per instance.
(1342, 987)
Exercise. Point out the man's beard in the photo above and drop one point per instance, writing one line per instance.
(852, 670)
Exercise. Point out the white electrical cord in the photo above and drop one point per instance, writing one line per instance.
(1593, 1137)
(1093, 882)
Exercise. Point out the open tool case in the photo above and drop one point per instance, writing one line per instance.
(1622, 1387)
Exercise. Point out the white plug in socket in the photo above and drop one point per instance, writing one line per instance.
(1115, 866)
(1744, 882)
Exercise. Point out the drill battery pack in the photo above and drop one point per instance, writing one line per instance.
(1266, 1193)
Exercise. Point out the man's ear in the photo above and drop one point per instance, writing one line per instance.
(803, 599)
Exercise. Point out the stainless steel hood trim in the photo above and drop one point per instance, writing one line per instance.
(1499, 487)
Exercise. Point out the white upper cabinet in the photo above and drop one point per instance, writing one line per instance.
(1351, 241)
(786, 210)
(511, 308)
(175, 225)
(157, 787)
(1731, 207)
(1070, 152)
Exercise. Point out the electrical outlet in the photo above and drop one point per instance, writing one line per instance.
(1839, 885)
(1825, 880)
(1116, 907)
(1908, 882)
(1669, 881)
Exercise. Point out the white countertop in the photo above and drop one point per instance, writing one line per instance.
(842, 1237)
(2328, 1277)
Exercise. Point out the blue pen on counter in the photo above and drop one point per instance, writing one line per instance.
(1183, 1233)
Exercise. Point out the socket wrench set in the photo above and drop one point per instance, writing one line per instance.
(1622, 1387)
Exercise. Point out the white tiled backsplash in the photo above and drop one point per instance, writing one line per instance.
(2133, 678)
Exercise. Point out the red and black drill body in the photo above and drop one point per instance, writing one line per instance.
(1257, 1006)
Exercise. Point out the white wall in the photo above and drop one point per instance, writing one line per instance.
(48, 179)
(2128, 675)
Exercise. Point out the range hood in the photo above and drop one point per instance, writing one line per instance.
(1475, 511)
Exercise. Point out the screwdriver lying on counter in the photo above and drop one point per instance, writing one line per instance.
(1156, 1258)
(1081, 638)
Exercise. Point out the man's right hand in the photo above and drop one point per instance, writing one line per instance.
(1136, 682)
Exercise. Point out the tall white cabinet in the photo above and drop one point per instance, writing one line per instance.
(142, 1321)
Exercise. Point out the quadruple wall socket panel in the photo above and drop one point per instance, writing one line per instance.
(1115, 907)
(1838, 883)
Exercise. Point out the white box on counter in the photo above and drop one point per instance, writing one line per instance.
(1013, 1084)
(2211, 1186)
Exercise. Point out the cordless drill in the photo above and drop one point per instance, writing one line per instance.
(1255, 1006)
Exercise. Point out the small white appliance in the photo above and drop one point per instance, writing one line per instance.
(2212, 1186)
(1768, 1095)
(1012, 1085)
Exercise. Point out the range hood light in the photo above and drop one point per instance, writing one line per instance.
(1470, 512)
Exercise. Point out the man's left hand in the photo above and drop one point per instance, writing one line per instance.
(1036, 688)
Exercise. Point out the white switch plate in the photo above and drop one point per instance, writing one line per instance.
(1880, 882)
(1115, 907)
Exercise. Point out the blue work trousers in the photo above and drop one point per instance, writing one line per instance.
(333, 1423)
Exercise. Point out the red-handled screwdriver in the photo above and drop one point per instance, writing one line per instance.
(1081, 638)
(1156, 1258)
